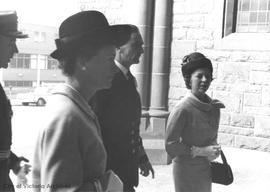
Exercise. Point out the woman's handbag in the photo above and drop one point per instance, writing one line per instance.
(221, 172)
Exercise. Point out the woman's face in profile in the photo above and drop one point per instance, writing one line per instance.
(101, 67)
(200, 81)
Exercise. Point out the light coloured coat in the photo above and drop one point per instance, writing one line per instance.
(69, 154)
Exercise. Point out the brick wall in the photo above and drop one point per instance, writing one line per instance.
(242, 77)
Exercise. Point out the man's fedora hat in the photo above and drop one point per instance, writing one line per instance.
(88, 27)
(9, 25)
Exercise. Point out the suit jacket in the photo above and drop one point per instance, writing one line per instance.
(69, 154)
(119, 112)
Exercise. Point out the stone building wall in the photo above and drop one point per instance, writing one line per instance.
(113, 9)
(241, 69)
(241, 76)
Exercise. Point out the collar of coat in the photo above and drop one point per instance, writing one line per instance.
(201, 105)
(74, 95)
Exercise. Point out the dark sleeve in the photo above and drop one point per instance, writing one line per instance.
(143, 158)
(5, 122)
(99, 102)
(13, 159)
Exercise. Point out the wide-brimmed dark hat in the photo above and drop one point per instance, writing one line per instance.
(9, 25)
(88, 27)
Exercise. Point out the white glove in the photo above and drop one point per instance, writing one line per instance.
(209, 152)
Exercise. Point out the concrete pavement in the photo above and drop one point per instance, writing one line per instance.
(251, 173)
(251, 168)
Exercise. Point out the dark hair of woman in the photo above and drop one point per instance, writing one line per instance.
(188, 69)
(67, 62)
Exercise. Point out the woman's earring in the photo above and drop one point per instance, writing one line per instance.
(83, 68)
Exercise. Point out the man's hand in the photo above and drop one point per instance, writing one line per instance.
(21, 175)
(18, 168)
(145, 168)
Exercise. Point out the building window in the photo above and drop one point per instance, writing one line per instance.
(253, 16)
(36, 36)
(18, 83)
(52, 63)
(20, 61)
(246, 16)
(34, 61)
(42, 60)
(39, 36)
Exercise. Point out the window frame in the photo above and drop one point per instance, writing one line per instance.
(21, 61)
(52, 64)
(236, 40)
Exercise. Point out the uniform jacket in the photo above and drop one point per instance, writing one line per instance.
(5, 140)
(69, 153)
(5, 121)
(119, 112)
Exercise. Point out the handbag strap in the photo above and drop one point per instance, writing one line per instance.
(223, 158)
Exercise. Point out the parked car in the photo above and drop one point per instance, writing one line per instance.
(38, 97)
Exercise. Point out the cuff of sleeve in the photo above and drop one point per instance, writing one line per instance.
(98, 186)
(13, 159)
(143, 159)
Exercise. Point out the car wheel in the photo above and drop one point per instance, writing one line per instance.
(41, 102)
(25, 103)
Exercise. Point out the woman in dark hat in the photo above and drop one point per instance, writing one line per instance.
(69, 154)
(191, 136)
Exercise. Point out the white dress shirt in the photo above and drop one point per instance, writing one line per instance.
(122, 68)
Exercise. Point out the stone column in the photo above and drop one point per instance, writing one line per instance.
(156, 121)
(161, 56)
(140, 13)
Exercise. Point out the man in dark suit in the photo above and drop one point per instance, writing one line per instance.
(8, 160)
(119, 112)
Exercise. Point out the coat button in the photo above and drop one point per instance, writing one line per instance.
(133, 151)
(133, 123)
(132, 132)
(132, 141)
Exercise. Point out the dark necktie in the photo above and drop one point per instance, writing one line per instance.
(131, 79)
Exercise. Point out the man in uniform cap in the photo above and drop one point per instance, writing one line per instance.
(8, 160)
